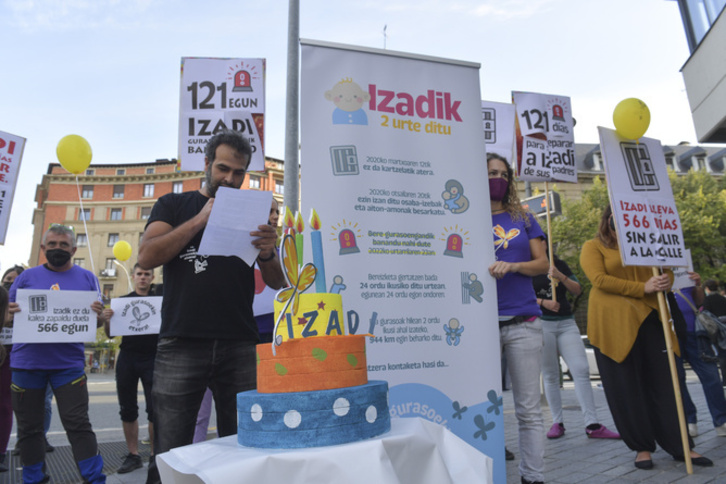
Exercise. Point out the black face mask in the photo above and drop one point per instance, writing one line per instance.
(57, 257)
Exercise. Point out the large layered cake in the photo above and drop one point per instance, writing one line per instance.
(312, 384)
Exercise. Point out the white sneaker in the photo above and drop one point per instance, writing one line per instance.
(693, 429)
(721, 430)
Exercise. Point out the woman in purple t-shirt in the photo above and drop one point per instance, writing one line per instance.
(520, 255)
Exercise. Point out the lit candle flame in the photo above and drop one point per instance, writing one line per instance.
(299, 225)
(314, 220)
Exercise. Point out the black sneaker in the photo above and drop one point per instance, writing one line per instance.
(131, 463)
(48, 448)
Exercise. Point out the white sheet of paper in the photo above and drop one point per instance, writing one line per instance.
(6, 336)
(234, 215)
(680, 274)
(136, 315)
(48, 316)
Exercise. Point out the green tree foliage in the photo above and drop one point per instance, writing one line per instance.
(701, 202)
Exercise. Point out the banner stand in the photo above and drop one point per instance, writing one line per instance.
(549, 238)
(674, 376)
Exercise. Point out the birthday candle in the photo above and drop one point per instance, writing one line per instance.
(318, 260)
(299, 227)
(289, 221)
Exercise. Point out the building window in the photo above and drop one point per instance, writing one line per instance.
(148, 190)
(145, 213)
(107, 290)
(87, 191)
(121, 171)
(279, 187)
(671, 163)
(84, 214)
(116, 213)
(90, 172)
(177, 187)
(118, 191)
(80, 262)
(109, 264)
(149, 171)
(81, 240)
(112, 239)
(254, 181)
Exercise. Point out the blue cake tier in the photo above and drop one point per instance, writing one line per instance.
(313, 419)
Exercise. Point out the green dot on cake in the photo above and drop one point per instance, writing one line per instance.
(280, 370)
(319, 354)
(352, 360)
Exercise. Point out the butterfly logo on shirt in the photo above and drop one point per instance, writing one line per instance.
(503, 237)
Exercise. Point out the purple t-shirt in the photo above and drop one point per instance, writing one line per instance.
(686, 308)
(515, 294)
(50, 356)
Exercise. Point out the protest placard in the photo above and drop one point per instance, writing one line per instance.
(11, 153)
(49, 316)
(136, 315)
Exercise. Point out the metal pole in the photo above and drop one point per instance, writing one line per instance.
(292, 177)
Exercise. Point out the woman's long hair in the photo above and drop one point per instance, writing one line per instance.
(510, 202)
(605, 234)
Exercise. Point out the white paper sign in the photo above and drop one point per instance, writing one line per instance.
(11, 152)
(6, 336)
(498, 120)
(235, 214)
(136, 315)
(648, 226)
(545, 137)
(219, 94)
(680, 274)
(48, 316)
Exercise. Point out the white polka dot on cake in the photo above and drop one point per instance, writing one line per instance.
(341, 407)
(371, 414)
(292, 419)
(256, 412)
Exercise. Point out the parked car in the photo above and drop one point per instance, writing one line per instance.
(590, 352)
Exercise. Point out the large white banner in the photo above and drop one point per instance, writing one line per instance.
(50, 316)
(498, 120)
(219, 94)
(393, 162)
(648, 226)
(11, 153)
(545, 137)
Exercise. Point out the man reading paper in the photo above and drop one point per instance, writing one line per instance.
(60, 364)
(208, 331)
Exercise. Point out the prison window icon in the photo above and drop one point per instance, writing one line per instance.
(348, 244)
(242, 81)
(344, 159)
(454, 245)
(639, 166)
(38, 304)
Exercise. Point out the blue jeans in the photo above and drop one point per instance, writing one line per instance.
(707, 373)
(183, 370)
(521, 344)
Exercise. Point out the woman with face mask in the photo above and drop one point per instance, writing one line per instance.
(624, 326)
(520, 255)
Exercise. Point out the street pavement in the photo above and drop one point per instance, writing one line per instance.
(573, 458)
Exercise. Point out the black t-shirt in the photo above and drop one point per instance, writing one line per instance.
(543, 289)
(141, 343)
(204, 296)
(716, 304)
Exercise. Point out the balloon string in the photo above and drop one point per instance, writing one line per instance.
(88, 237)
(128, 277)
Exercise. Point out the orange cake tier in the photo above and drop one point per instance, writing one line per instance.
(311, 364)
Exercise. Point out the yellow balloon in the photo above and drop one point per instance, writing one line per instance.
(122, 250)
(74, 153)
(631, 118)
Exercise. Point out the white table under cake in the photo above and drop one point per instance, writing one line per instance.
(415, 451)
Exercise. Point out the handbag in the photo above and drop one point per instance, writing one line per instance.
(706, 322)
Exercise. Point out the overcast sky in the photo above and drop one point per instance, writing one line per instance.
(108, 70)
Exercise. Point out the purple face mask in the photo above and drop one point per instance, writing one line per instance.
(498, 188)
